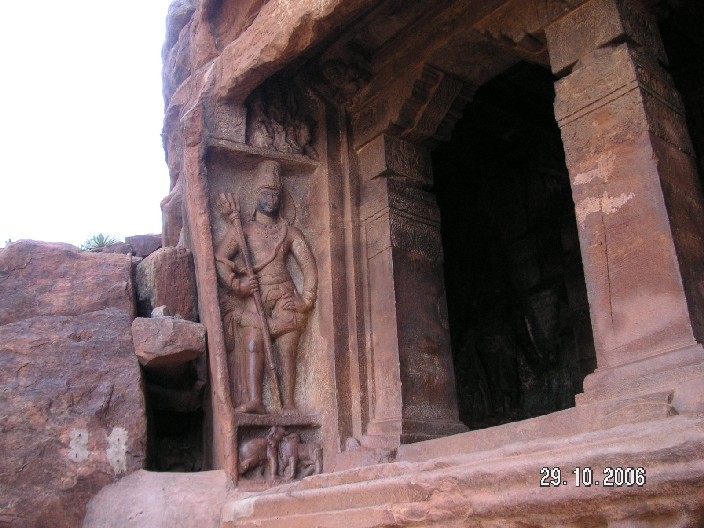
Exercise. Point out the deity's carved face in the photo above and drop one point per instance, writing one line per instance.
(269, 201)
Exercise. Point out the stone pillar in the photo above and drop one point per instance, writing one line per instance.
(637, 197)
(413, 387)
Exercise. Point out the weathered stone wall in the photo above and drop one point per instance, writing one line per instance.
(72, 414)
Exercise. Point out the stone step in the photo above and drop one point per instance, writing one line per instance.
(498, 485)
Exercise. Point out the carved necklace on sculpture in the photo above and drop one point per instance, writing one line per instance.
(272, 231)
(277, 232)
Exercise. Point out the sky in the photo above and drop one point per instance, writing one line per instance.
(80, 133)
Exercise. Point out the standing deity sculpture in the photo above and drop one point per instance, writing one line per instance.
(263, 310)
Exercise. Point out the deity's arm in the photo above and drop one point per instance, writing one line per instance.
(225, 252)
(306, 261)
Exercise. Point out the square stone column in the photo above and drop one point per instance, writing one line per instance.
(412, 376)
(637, 197)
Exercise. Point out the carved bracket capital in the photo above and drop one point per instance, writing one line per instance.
(387, 155)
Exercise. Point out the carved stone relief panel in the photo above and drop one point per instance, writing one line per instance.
(342, 80)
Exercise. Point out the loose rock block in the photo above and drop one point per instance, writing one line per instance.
(167, 341)
(167, 278)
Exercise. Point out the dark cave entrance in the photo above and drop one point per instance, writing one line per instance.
(682, 31)
(519, 318)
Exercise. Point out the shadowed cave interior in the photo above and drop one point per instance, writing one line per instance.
(519, 317)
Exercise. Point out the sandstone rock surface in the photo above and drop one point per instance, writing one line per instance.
(38, 278)
(160, 500)
(144, 245)
(167, 278)
(167, 341)
(72, 414)
(118, 247)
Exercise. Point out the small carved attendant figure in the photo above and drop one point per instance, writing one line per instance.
(270, 240)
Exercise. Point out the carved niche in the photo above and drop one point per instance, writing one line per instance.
(267, 287)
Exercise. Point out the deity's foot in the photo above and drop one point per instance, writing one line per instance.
(252, 407)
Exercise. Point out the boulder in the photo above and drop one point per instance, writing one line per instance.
(144, 245)
(118, 247)
(160, 500)
(167, 278)
(167, 341)
(40, 278)
(72, 412)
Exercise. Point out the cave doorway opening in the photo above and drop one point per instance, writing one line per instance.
(519, 317)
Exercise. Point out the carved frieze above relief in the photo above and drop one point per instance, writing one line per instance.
(278, 118)
(228, 121)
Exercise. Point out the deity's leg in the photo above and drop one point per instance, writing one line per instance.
(288, 346)
(254, 350)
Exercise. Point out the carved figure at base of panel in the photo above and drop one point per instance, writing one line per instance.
(279, 456)
(260, 454)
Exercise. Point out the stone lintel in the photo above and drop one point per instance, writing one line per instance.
(421, 107)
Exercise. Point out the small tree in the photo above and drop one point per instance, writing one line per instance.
(98, 241)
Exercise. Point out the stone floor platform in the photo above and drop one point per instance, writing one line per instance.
(482, 480)
(501, 486)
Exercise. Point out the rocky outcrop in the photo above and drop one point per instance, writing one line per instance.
(38, 278)
(72, 413)
(144, 245)
(167, 278)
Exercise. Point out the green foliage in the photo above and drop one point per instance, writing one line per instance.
(98, 241)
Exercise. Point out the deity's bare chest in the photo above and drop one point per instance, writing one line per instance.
(266, 242)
